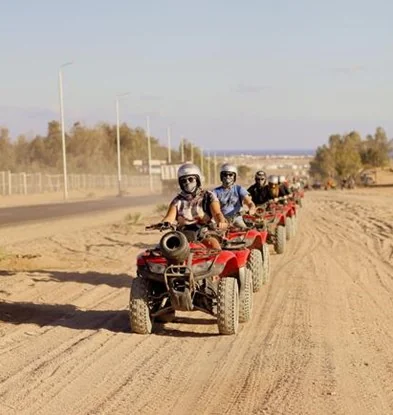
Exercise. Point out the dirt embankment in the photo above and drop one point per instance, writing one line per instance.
(320, 340)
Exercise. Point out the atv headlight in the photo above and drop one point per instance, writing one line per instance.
(156, 268)
(202, 267)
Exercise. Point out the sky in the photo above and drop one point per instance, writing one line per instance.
(231, 74)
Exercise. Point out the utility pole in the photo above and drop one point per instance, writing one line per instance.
(202, 167)
(208, 168)
(168, 132)
(182, 149)
(63, 143)
(118, 142)
(149, 152)
(215, 168)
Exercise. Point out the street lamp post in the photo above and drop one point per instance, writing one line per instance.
(215, 168)
(63, 144)
(149, 152)
(182, 149)
(168, 132)
(202, 166)
(208, 168)
(118, 142)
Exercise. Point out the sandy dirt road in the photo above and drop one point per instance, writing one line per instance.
(320, 340)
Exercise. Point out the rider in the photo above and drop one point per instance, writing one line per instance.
(194, 206)
(232, 196)
(283, 185)
(272, 190)
(259, 189)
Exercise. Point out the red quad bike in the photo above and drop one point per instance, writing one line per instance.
(289, 208)
(181, 273)
(255, 239)
(271, 216)
(298, 195)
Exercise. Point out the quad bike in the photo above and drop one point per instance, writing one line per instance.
(271, 217)
(181, 273)
(298, 196)
(255, 239)
(287, 206)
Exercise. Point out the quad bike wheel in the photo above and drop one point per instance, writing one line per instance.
(228, 306)
(294, 225)
(245, 297)
(279, 244)
(289, 228)
(266, 263)
(139, 308)
(255, 265)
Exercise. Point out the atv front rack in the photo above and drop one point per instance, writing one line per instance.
(180, 283)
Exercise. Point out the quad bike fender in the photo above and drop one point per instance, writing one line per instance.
(253, 238)
(292, 213)
(242, 257)
(263, 235)
(236, 261)
(281, 219)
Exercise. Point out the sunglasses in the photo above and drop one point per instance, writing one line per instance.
(189, 179)
(228, 174)
(261, 180)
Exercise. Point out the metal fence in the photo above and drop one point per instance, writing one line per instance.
(32, 183)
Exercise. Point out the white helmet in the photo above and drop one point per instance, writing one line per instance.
(228, 174)
(272, 179)
(189, 177)
(281, 179)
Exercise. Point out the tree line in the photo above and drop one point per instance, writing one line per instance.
(89, 150)
(348, 155)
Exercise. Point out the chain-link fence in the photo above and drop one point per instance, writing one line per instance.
(33, 183)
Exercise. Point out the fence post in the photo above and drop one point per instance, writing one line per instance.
(9, 182)
(3, 191)
(39, 182)
(24, 183)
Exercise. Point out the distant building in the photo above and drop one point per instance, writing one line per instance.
(143, 167)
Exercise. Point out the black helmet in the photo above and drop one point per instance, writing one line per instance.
(260, 178)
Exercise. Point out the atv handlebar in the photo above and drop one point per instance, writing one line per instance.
(161, 226)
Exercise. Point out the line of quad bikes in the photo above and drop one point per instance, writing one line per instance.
(182, 274)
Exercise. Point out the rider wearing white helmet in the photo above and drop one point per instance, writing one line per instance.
(273, 186)
(231, 195)
(283, 184)
(194, 206)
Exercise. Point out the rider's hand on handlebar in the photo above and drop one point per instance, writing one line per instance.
(222, 226)
(160, 226)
